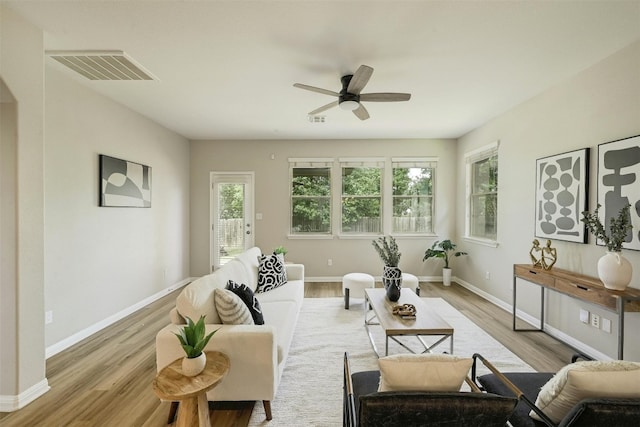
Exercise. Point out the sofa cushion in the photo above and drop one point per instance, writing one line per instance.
(231, 309)
(247, 296)
(249, 259)
(196, 300)
(271, 272)
(587, 379)
(423, 372)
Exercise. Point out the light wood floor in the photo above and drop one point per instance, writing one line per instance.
(105, 380)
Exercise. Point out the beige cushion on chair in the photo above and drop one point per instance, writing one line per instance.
(588, 379)
(423, 372)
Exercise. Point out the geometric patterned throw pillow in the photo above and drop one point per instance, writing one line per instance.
(271, 272)
(246, 295)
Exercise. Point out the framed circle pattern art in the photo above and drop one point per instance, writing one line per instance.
(562, 184)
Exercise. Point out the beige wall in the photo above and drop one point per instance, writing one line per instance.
(114, 256)
(599, 105)
(272, 200)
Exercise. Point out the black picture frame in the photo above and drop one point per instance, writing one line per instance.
(562, 192)
(619, 184)
(124, 183)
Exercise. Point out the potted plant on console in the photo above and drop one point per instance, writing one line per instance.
(193, 341)
(388, 250)
(613, 269)
(443, 249)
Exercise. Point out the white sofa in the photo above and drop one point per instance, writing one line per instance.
(258, 353)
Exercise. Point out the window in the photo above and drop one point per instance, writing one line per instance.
(310, 197)
(482, 193)
(413, 184)
(361, 196)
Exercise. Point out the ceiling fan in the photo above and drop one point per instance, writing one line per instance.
(350, 97)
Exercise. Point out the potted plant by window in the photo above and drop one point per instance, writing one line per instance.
(193, 341)
(280, 250)
(613, 269)
(443, 249)
(388, 250)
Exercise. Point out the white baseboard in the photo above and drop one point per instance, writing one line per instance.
(535, 322)
(13, 403)
(79, 336)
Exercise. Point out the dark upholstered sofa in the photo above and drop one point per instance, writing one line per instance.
(366, 407)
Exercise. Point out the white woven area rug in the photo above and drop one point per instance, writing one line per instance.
(310, 393)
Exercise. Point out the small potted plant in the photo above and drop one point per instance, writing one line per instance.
(443, 249)
(280, 250)
(389, 253)
(193, 341)
(613, 269)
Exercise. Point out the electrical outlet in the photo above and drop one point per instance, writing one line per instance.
(606, 325)
(329, 262)
(48, 317)
(487, 275)
(595, 320)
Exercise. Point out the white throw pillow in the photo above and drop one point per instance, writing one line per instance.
(587, 379)
(423, 372)
(231, 309)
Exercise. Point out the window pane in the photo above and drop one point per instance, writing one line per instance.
(361, 215)
(311, 215)
(412, 214)
(484, 210)
(361, 181)
(485, 175)
(412, 181)
(311, 182)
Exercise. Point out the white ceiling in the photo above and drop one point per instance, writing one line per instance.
(226, 68)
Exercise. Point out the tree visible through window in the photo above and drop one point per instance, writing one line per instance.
(412, 199)
(361, 199)
(311, 200)
(484, 198)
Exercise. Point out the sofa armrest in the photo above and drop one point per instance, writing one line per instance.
(295, 271)
(176, 318)
(252, 350)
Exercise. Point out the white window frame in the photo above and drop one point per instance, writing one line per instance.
(472, 157)
(311, 163)
(414, 162)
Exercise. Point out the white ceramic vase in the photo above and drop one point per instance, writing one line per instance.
(192, 367)
(446, 276)
(614, 270)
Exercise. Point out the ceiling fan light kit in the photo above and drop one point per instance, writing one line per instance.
(349, 97)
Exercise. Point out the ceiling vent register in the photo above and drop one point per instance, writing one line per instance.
(102, 65)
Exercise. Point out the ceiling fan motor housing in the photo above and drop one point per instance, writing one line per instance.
(344, 95)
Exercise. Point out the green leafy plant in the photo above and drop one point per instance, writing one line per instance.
(618, 228)
(388, 250)
(280, 250)
(192, 337)
(442, 249)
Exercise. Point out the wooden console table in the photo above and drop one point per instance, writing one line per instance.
(584, 288)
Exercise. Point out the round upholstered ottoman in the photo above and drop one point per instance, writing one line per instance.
(410, 281)
(354, 284)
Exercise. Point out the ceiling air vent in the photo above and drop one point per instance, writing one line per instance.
(102, 65)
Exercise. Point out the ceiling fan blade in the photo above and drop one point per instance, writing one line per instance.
(360, 79)
(385, 97)
(316, 89)
(361, 112)
(324, 108)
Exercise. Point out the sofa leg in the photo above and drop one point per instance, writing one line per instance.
(267, 409)
(346, 298)
(172, 412)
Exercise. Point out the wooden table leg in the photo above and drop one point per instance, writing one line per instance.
(203, 410)
(188, 413)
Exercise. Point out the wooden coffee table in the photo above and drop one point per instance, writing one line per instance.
(171, 384)
(426, 323)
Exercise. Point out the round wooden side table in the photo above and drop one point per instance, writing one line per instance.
(171, 384)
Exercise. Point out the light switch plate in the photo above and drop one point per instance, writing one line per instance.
(584, 316)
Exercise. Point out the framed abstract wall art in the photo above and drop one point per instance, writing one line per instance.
(561, 196)
(124, 183)
(619, 184)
